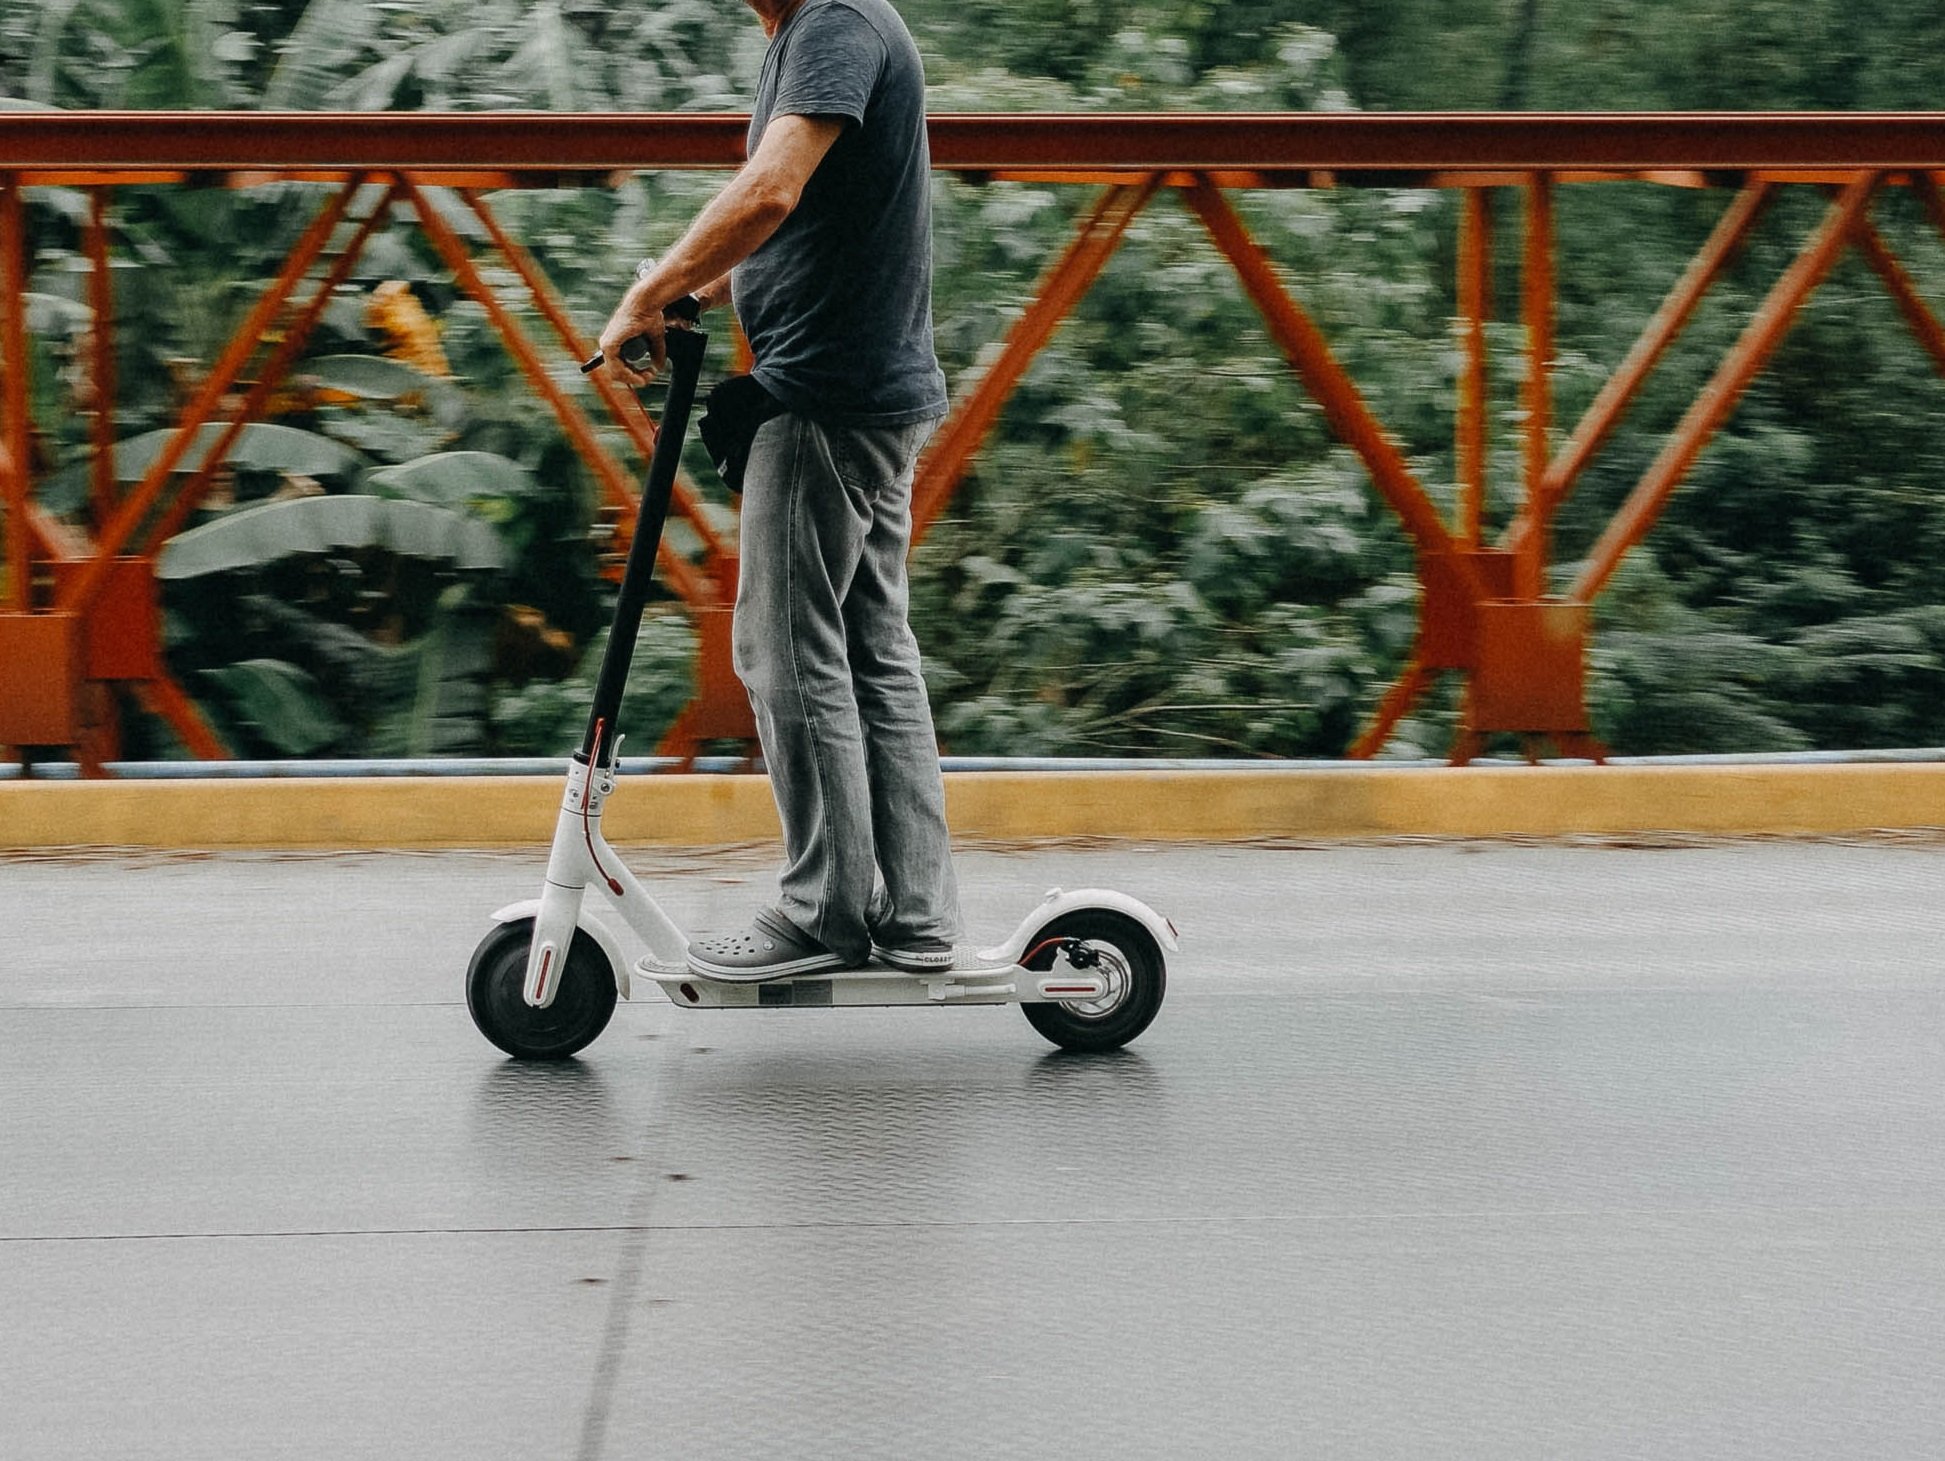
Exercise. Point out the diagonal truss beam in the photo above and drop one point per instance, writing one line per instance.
(163, 697)
(136, 506)
(1412, 682)
(1903, 290)
(15, 441)
(169, 521)
(691, 586)
(1725, 388)
(628, 414)
(1475, 308)
(101, 335)
(1731, 231)
(1310, 356)
(1537, 310)
(1062, 287)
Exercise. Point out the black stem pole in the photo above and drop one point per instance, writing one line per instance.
(685, 349)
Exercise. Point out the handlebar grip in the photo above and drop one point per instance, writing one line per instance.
(635, 352)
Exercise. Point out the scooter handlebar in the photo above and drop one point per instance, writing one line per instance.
(635, 350)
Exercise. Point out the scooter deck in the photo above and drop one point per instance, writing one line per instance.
(877, 984)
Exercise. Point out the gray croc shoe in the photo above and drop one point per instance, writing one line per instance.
(774, 948)
(913, 955)
(918, 956)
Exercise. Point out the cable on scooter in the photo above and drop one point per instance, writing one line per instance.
(1078, 953)
(587, 804)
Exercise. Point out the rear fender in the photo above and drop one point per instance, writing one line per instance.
(1057, 903)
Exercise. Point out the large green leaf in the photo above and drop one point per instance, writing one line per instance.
(443, 709)
(69, 203)
(330, 35)
(280, 702)
(50, 314)
(370, 377)
(48, 35)
(454, 479)
(260, 535)
(261, 445)
(382, 433)
(553, 65)
(376, 88)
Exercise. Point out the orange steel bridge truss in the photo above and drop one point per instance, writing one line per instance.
(80, 608)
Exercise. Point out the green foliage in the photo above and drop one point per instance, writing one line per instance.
(374, 377)
(546, 717)
(277, 703)
(129, 53)
(1162, 549)
(240, 541)
(398, 670)
(484, 484)
(439, 697)
(260, 446)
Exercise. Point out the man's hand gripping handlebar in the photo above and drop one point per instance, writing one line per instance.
(637, 350)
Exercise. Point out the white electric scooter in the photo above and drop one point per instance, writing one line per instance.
(1086, 967)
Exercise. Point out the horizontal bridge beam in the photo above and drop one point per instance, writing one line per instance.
(1149, 142)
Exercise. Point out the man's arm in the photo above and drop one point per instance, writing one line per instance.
(713, 295)
(735, 224)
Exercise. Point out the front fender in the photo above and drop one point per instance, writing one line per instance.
(1057, 902)
(596, 929)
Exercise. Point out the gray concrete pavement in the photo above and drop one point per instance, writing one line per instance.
(1456, 1150)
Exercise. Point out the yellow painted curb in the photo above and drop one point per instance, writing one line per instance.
(1192, 806)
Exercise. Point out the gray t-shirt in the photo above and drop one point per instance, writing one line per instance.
(837, 303)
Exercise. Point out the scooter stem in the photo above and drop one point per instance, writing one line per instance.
(685, 349)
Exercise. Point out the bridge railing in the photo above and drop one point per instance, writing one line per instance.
(80, 609)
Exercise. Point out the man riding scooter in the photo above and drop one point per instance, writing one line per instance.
(824, 240)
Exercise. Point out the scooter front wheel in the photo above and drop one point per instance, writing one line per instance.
(582, 1005)
(1126, 954)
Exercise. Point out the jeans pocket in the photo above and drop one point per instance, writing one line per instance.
(869, 458)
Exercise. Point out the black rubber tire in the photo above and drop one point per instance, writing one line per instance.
(1069, 1028)
(582, 1005)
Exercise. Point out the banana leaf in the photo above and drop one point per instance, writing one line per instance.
(52, 314)
(441, 707)
(279, 702)
(260, 535)
(454, 479)
(370, 377)
(384, 434)
(261, 446)
(329, 35)
(69, 203)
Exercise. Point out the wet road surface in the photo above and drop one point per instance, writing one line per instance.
(1434, 1150)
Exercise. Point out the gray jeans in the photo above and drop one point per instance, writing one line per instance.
(823, 645)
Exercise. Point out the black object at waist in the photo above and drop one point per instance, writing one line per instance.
(736, 408)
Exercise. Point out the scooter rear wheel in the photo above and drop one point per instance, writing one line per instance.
(582, 1005)
(1137, 979)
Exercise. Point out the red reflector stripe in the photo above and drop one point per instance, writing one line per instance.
(1071, 989)
(540, 978)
